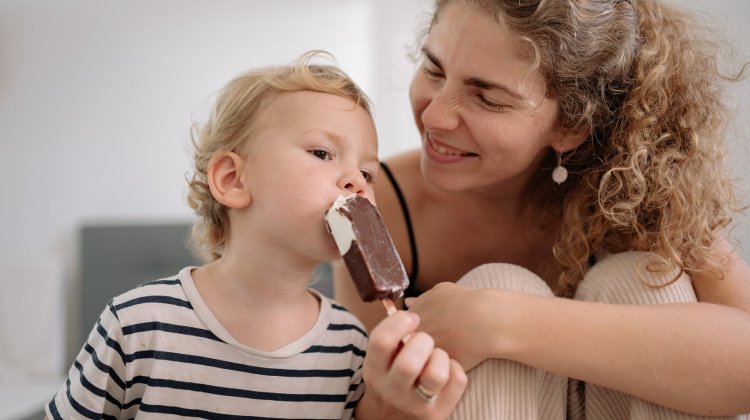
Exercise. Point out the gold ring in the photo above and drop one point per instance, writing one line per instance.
(425, 393)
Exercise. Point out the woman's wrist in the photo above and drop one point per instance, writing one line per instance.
(505, 315)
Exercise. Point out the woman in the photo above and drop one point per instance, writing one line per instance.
(580, 143)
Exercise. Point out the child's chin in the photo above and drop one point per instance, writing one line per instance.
(333, 255)
(332, 251)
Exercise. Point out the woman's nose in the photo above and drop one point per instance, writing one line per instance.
(442, 111)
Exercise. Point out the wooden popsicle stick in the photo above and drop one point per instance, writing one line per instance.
(390, 309)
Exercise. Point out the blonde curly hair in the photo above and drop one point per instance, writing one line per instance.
(645, 80)
(234, 120)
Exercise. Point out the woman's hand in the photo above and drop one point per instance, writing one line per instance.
(455, 317)
(398, 362)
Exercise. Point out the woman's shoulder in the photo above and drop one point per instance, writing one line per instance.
(400, 175)
(398, 195)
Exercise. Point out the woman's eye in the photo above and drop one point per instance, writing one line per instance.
(322, 154)
(432, 74)
(492, 106)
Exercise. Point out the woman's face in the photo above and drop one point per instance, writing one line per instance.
(484, 118)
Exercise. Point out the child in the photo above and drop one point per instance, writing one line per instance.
(242, 335)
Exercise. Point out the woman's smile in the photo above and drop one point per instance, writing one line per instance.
(443, 153)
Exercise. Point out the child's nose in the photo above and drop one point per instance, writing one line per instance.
(354, 182)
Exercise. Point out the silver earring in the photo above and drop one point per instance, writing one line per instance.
(560, 174)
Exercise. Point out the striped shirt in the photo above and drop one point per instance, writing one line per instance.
(157, 351)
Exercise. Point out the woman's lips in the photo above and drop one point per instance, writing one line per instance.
(443, 153)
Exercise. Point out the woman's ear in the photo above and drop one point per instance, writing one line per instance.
(570, 139)
(225, 170)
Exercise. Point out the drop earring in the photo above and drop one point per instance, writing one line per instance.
(560, 174)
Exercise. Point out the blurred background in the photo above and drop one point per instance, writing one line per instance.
(97, 98)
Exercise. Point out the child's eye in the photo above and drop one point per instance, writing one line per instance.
(322, 154)
(370, 178)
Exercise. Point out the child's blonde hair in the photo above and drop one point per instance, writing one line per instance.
(235, 119)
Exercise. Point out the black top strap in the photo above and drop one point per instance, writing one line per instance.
(411, 290)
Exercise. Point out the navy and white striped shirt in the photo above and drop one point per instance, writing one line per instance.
(157, 351)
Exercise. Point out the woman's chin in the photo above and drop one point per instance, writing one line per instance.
(447, 178)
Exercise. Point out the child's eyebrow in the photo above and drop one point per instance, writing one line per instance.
(371, 157)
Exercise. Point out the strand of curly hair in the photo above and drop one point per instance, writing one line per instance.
(661, 184)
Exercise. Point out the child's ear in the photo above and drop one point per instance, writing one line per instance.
(571, 138)
(225, 180)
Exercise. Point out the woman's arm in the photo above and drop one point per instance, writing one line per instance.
(691, 357)
(734, 289)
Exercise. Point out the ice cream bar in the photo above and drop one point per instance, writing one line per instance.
(367, 249)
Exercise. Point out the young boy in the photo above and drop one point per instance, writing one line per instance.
(242, 335)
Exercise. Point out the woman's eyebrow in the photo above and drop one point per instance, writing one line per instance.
(475, 81)
(430, 56)
(483, 84)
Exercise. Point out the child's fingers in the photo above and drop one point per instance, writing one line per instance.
(411, 376)
(385, 340)
(411, 360)
(451, 393)
(435, 374)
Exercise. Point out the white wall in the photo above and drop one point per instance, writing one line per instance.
(731, 17)
(97, 97)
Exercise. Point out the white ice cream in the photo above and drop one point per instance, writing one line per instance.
(340, 226)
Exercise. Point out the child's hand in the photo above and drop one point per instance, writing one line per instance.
(393, 371)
